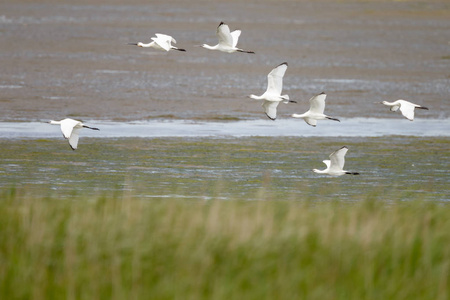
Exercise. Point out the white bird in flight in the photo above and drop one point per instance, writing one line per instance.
(315, 112)
(406, 108)
(272, 96)
(335, 166)
(160, 42)
(70, 129)
(227, 40)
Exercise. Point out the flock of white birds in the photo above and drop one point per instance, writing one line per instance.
(271, 97)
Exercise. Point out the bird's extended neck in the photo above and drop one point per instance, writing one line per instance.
(255, 97)
(145, 45)
(389, 103)
(300, 116)
(55, 122)
(209, 47)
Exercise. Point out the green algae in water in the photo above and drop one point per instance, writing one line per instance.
(233, 168)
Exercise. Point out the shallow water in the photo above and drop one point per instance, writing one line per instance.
(246, 168)
(359, 127)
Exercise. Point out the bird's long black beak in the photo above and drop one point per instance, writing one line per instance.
(135, 44)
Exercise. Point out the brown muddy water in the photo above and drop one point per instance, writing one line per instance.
(72, 60)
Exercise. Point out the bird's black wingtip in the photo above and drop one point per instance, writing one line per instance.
(323, 93)
(273, 119)
(221, 23)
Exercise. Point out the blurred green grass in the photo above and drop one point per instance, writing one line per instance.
(120, 247)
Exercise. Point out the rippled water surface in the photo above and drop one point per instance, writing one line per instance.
(179, 124)
(278, 168)
(71, 59)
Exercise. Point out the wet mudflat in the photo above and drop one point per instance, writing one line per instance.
(71, 59)
(258, 168)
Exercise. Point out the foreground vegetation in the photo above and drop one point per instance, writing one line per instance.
(115, 247)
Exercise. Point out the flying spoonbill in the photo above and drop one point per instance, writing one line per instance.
(336, 163)
(160, 42)
(272, 96)
(315, 112)
(70, 129)
(406, 108)
(227, 40)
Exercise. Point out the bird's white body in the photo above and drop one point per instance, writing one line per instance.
(160, 42)
(316, 111)
(335, 166)
(272, 96)
(406, 108)
(70, 129)
(227, 40)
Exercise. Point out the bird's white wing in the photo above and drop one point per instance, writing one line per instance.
(394, 108)
(317, 103)
(275, 79)
(235, 35)
(407, 110)
(224, 35)
(67, 126)
(166, 37)
(270, 108)
(73, 139)
(163, 41)
(310, 121)
(327, 163)
(338, 159)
